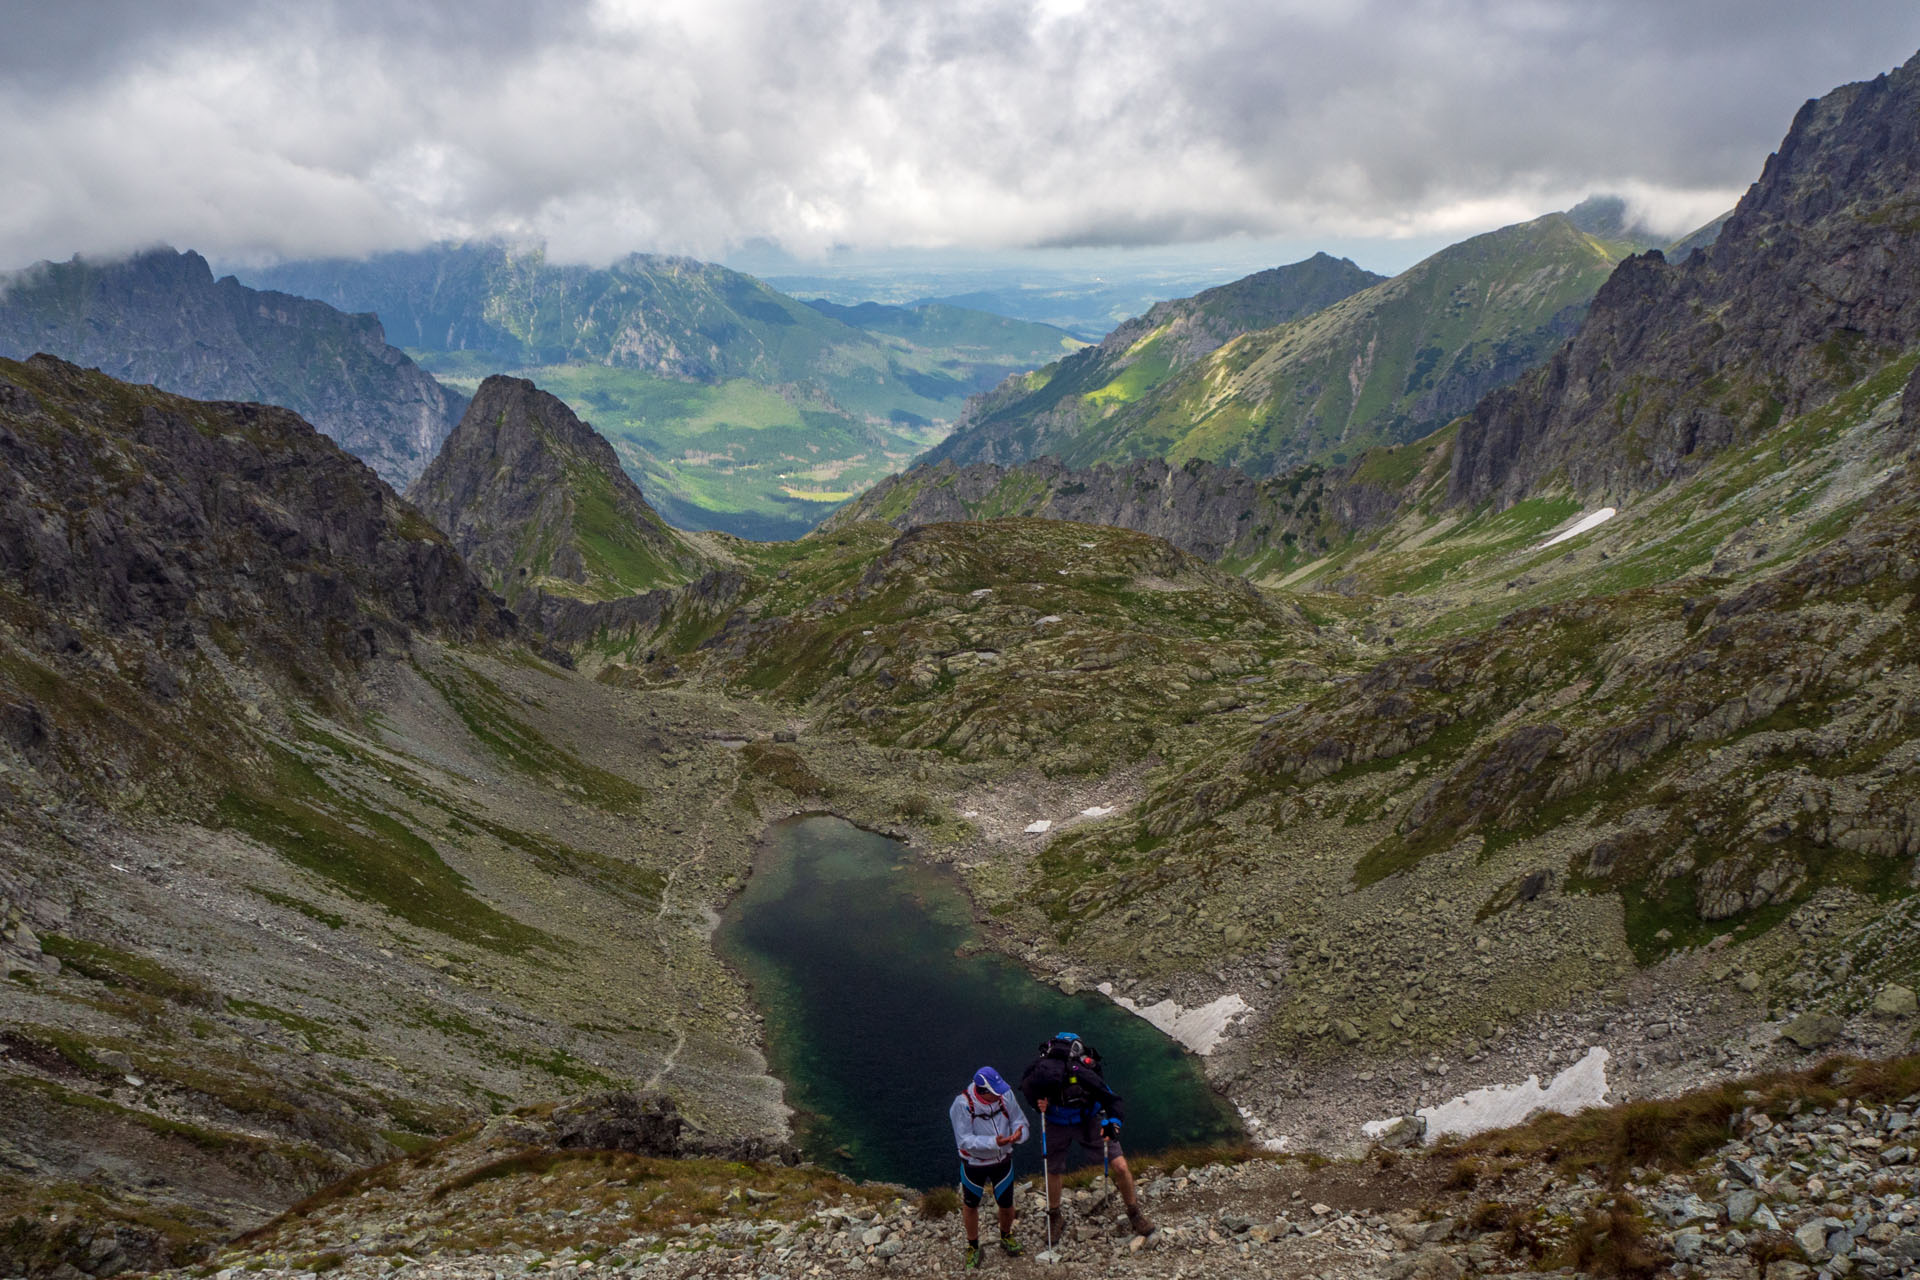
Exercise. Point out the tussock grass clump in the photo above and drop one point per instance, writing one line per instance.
(1612, 1242)
(940, 1202)
(1196, 1157)
(533, 1161)
(1768, 1247)
(1518, 1230)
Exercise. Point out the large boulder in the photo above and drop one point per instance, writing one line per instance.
(1812, 1031)
(1895, 1001)
(646, 1124)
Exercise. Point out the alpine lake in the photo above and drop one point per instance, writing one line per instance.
(880, 1006)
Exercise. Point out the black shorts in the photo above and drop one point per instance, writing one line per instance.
(1062, 1137)
(975, 1180)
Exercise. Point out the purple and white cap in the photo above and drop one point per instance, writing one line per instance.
(989, 1082)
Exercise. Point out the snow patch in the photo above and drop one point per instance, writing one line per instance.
(1098, 811)
(1374, 1128)
(1035, 828)
(1592, 520)
(1200, 1029)
(1582, 1085)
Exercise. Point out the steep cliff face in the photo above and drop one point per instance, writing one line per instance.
(162, 318)
(1812, 282)
(1034, 415)
(137, 511)
(1212, 511)
(143, 537)
(537, 501)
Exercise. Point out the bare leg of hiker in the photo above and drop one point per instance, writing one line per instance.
(1123, 1179)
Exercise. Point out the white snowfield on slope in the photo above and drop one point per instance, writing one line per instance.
(1200, 1029)
(1592, 520)
(1582, 1085)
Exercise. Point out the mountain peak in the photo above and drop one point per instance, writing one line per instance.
(1767, 318)
(537, 500)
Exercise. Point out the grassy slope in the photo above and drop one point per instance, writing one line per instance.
(1029, 417)
(623, 552)
(1654, 689)
(1327, 387)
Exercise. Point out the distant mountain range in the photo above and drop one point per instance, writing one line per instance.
(160, 317)
(1050, 411)
(1372, 361)
(734, 405)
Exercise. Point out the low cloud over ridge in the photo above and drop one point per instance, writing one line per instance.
(247, 130)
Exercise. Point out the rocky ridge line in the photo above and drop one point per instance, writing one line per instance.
(160, 317)
(1811, 281)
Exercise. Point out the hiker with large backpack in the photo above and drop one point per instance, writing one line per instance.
(1066, 1086)
(987, 1124)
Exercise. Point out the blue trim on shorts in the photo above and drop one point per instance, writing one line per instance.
(1002, 1190)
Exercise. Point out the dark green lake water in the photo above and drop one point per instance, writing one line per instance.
(875, 1024)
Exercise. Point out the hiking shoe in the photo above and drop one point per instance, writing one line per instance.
(1010, 1247)
(1139, 1221)
(974, 1254)
(1056, 1225)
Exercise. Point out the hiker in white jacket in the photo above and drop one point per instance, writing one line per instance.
(987, 1123)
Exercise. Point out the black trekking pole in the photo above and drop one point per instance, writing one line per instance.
(1046, 1178)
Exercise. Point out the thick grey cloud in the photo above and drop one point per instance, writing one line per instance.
(601, 126)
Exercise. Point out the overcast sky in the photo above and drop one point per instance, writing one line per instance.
(251, 130)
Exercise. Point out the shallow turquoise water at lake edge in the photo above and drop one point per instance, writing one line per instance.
(875, 1023)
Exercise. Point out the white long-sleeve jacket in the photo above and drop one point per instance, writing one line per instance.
(976, 1128)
